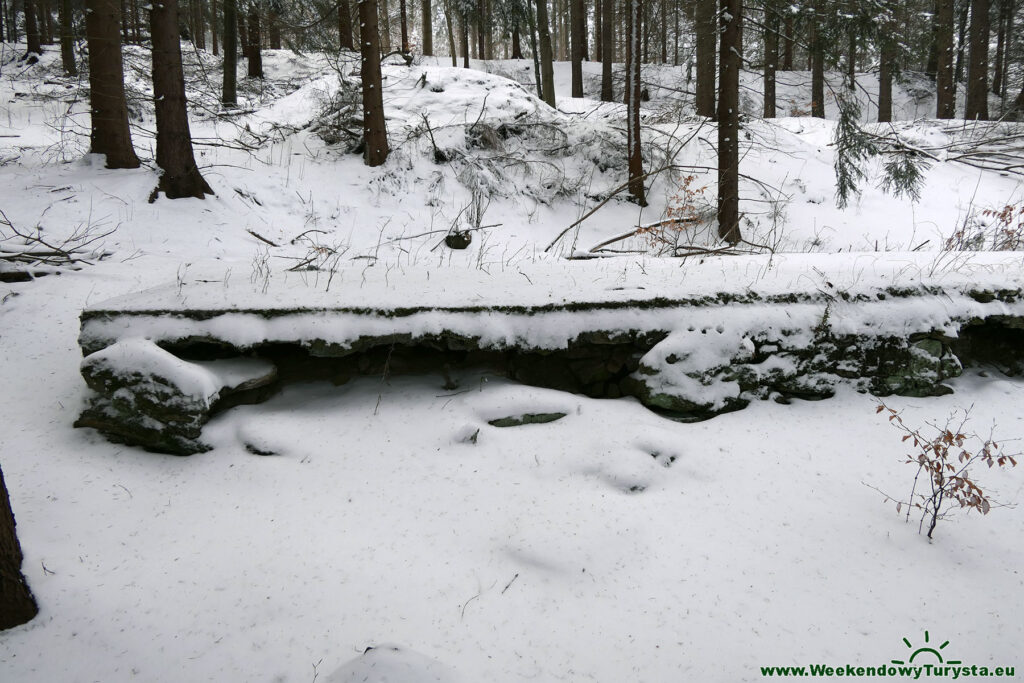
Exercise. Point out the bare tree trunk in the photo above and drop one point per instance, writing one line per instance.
(977, 73)
(817, 50)
(67, 39)
(1009, 45)
(404, 21)
(517, 45)
(663, 32)
(546, 67)
(255, 38)
(180, 176)
(787, 45)
(535, 53)
(31, 31)
(607, 50)
(243, 31)
(771, 57)
(479, 26)
(1005, 7)
(851, 59)
(17, 606)
(598, 30)
(464, 38)
(730, 19)
(110, 133)
(229, 94)
(887, 57)
(45, 22)
(706, 29)
(451, 33)
(944, 85)
(961, 42)
(634, 28)
(578, 33)
(375, 132)
(213, 28)
(345, 25)
(384, 22)
(428, 28)
(273, 27)
(136, 22)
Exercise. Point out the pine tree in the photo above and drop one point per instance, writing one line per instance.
(634, 31)
(977, 73)
(229, 96)
(731, 19)
(180, 176)
(110, 133)
(375, 134)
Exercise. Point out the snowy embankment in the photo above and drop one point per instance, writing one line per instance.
(690, 344)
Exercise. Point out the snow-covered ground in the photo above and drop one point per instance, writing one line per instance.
(610, 545)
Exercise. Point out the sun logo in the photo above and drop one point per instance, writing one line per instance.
(925, 649)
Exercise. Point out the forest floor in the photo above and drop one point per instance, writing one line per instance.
(611, 545)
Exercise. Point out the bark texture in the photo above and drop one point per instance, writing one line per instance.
(110, 133)
(730, 18)
(180, 177)
(375, 133)
(17, 606)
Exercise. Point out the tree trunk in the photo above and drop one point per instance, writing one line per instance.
(110, 134)
(817, 50)
(607, 50)
(787, 45)
(851, 59)
(771, 57)
(517, 46)
(977, 73)
(17, 606)
(255, 38)
(663, 32)
(576, 19)
(634, 28)
(45, 22)
(451, 33)
(345, 25)
(1008, 50)
(229, 94)
(213, 28)
(375, 132)
(887, 58)
(384, 22)
(1004, 16)
(180, 176)
(404, 20)
(531, 19)
(243, 30)
(730, 20)
(464, 38)
(136, 22)
(706, 29)
(274, 28)
(944, 86)
(598, 30)
(932, 68)
(32, 31)
(67, 39)
(428, 28)
(479, 25)
(546, 67)
(961, 42)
